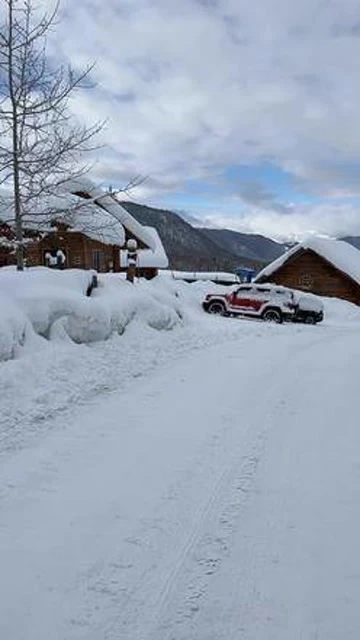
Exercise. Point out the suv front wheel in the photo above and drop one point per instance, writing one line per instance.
(217, 308)
(273, 315)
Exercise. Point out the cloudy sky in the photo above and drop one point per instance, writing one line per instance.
(242, 114)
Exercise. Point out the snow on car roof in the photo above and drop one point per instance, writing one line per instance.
(339, 253)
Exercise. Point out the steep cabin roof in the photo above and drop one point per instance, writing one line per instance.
(91, 221)
(153, 255)
(341, 255)
(76, 216)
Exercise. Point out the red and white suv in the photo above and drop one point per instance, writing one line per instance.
(268, 302)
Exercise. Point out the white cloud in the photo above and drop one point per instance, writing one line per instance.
(190, 87)
(324, 219)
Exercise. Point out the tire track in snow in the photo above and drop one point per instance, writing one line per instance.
(252, 611)
(214, 547)
(211, 514)
(209, 539)
(182, 596)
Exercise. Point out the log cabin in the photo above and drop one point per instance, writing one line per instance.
(322, 266)
(91, 236)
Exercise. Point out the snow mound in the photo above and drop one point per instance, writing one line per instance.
(13, 327)
(340, 312)
(142, 301)
(17, 283)
(43, 296)
(220, 277)
(40, 306)
(53, 304)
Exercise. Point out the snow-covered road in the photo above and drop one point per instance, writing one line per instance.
(216, 497)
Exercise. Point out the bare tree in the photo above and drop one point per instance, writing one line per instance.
(41, 144)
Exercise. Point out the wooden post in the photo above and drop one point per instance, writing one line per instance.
(131, 246)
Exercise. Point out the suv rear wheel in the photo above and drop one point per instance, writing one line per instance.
(217, 308)
(273, 315)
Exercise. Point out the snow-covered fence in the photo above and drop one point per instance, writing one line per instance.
(218, 277)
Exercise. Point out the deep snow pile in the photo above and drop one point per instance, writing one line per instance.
(151, 303)
(53, 304)
(35, 300)
(41, 305)
(341, 313)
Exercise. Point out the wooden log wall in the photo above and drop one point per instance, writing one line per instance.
(308, 271)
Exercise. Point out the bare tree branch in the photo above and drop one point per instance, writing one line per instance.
(41, 145)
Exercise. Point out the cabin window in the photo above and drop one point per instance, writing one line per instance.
(76, 261)
(97, 259)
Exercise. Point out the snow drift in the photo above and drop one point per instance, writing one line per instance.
(54, 305)
(14, 326)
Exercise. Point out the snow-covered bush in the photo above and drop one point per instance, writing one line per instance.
(126, 302)
(88, 322)
(45, 296)
(54, 305)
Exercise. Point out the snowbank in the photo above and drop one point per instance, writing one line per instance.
(13, 327)
(19, 284)
(142, 301)
(221, 277)
(340, 312)
(42, 297)
(54, 305)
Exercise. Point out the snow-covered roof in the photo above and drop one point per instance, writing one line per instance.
(155, 258)
(100, 216)
(95, 223)
(81, 215)
(339, 253)
(154, 255)
(108, 202)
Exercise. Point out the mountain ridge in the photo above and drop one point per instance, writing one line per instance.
(201, 248)
(187, 247)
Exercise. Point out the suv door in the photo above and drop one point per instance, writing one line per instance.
(262, 296)
(245, 300)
